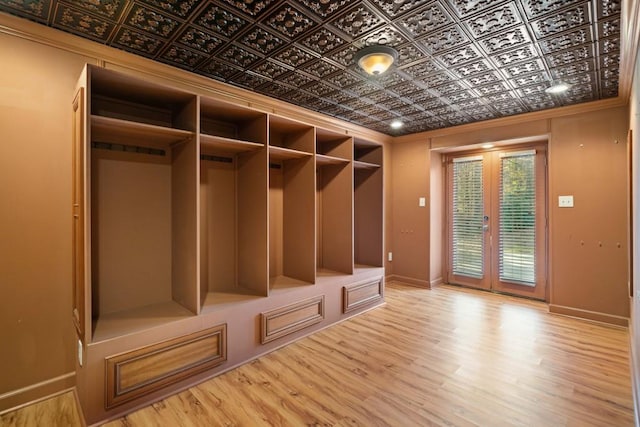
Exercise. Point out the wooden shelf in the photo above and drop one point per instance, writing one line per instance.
(212, 143)
(364, 165)
(286, 282)
(219, 300)
(280, 153)
(323, 159)
(126, 322)
(125, 132)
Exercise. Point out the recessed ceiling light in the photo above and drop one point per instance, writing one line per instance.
(396, 124)
(558, 87)
(487, 146)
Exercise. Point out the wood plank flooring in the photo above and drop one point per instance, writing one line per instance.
(449, 356)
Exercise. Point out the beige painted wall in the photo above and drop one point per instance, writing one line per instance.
(410, 229)
(588, 243)
(588, 266)
(36, 89)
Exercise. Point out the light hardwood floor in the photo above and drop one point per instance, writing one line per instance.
(448, 356)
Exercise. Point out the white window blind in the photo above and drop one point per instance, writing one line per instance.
(517, 218)
(468, 213)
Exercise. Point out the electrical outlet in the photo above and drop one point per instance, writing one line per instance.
(390, 257)
(565, 201)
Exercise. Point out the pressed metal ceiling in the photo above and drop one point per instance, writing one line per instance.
(460, 61)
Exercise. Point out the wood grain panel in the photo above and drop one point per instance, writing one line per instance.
(77, 242)
(136, 373)
(361, 294)
(291, 318)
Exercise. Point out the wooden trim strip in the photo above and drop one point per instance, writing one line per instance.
(147, 369)
(419, 283)
(589, 315)
(35, 392)
(291, 318)
(362, 294)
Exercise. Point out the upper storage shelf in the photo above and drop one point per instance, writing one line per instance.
(227, 128)
(130, 111)
(366, 155)
(291, 136)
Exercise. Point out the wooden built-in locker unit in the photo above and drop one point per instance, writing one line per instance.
(291, 203)
(195, 215)
(334, 203)
(233, 202)
(368, 204)
(143, 168)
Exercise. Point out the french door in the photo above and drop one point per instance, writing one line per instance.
(497, 220)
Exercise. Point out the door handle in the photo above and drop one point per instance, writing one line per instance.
(485, 227)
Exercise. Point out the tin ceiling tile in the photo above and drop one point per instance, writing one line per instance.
(182, 57)
(567, 19)
(250, 7)
(289, 21)
(427, 19)
(200, 40)
(294, 56)
(261, 40)
(32, 9)
(323, 41)
(218, 70)
(494, 20)
(137, 42)
(82, 23)
(238, 56)
(463, 60)
(445, 39)
(110, 9)
(325, 8)
(179, 8)
(465, 8)
(153, 22)
(358, 20)
(270, 69)
(220, 21)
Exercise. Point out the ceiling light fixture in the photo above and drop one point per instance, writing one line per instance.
(376, 59)
(396, 124)
(558, 87)
(487, 146)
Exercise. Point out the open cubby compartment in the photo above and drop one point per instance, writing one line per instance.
(231, 128)
(332, 147)
(144, 256)
(134, 112)
(368, 206)
(366, 154)
(334, 218)
(291, 221)
(233, 225)
(288, 138)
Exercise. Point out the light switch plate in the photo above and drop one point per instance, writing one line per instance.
(565, 201)
(422, 202)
